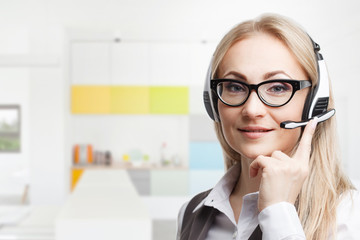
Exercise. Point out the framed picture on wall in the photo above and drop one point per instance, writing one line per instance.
(10, 128)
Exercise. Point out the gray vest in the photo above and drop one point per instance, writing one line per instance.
(195, 226)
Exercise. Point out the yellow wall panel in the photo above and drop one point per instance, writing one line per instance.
(130, 100)
(169, 100)
(90, 99)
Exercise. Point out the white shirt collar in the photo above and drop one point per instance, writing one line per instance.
(219, 196)
(223, 188)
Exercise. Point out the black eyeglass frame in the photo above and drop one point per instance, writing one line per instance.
(296, 85)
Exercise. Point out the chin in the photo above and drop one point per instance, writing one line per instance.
(252, 156)
(252, 152)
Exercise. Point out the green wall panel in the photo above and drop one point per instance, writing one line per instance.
(169, 100)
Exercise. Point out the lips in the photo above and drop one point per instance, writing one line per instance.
(255, 132)
(255, 129)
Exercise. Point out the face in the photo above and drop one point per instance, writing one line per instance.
(253, 128)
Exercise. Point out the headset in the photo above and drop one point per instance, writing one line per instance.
(316, 103)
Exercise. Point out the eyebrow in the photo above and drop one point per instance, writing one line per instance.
(273, 73)
(265, 76)
(236, 74)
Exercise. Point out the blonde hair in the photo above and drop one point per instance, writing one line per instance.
(320, 194)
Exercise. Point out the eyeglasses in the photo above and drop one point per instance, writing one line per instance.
(274, 93)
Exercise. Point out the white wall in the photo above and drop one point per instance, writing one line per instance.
(49, 175)
(14, 90)
(39, 27)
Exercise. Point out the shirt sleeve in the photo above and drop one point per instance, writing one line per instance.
(348, 217)
(281, 222)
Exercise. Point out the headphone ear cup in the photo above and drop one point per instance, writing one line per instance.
(215, 106)
(207, 103)
(318, 98)
(209, 97)
(210, 103)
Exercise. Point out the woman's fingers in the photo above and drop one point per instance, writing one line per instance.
(262, 162)
(258, 163)
(304, 148)
(282, 176)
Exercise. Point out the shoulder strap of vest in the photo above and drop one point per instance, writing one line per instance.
(257, 234)
(194, 202)
(188, 230)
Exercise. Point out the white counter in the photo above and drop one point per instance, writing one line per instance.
(104, 205)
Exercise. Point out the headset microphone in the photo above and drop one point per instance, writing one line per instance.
(320, 118)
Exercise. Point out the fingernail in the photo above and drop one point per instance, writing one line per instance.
(314, 122)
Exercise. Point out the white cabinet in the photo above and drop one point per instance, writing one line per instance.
(90, 63)
(199, 60)
(130, 63)
(138, 63)
(169, 64)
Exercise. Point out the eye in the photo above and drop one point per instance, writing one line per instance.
(277, 88)
(234, 87)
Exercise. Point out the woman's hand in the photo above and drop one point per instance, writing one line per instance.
(282, 176)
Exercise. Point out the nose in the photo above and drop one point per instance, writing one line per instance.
(254, 107)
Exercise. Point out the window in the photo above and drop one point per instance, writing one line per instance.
(9, 128)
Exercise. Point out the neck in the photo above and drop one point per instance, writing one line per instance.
(246, 184)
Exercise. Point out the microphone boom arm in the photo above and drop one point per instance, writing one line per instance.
(321, 118)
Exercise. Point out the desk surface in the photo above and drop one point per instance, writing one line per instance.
(104, 205)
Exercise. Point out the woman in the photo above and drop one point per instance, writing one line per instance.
(280, 183)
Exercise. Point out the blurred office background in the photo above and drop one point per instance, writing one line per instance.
(114, 86)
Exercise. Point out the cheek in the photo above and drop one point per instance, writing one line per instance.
(290, 112)
(227, 114)
(289, 139)
(228, 118)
